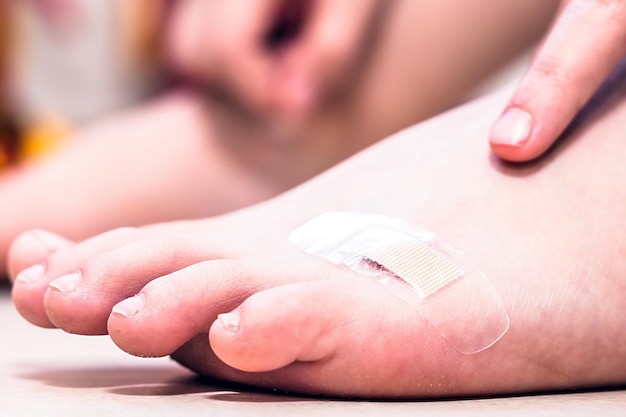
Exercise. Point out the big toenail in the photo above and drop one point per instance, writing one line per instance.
(128, 307)
(230, 321)
(66, 283)
(30, 274)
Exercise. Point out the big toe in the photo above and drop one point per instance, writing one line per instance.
(334, 337)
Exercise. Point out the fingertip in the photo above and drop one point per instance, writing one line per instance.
(515, 136)
(567, 69)
(515, 153)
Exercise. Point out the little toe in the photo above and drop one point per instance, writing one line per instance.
(33, 247)
(39, 257)
(57, 255)
(26, 270)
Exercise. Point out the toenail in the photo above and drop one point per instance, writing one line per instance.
(230, 321)
(66, 283)
(30, 274)
(128, 307)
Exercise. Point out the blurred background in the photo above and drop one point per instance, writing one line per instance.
(64, 63)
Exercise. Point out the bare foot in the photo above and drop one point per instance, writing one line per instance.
(180, 159)
(547, 235)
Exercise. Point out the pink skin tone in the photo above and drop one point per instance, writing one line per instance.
(107, 175)
(232, 298)
(221, 44)
(222, 159)
(567, 69)
(225, 44)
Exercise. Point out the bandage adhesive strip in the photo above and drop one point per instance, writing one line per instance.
(437, 280)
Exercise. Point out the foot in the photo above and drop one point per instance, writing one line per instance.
(107, 177)
(232, 298)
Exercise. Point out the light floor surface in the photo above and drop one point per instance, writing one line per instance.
(49, 373)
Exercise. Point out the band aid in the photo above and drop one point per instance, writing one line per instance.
(413, 261)
(433, 277)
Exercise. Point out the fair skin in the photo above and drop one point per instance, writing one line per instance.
(276, 57)
(568, 68)
(186, 156)
(547, 235)
(324, 44)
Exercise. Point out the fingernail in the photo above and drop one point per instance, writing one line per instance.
(513, 128)
(66, 283)
(129, 307)
(31, 274)
(230, 321)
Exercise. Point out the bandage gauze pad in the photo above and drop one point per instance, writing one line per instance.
(436, 279)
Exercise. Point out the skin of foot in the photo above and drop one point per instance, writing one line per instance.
(230, 297)
(185, 156)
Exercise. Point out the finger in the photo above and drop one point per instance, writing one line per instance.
(335, 35)
(586, 43)
(222, 43)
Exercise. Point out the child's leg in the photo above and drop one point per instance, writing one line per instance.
(548, 235)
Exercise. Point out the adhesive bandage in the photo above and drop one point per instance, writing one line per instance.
(433, 277)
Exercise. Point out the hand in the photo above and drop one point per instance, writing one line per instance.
(61, 16)
(271, 55)
(587, 41)
(58, 15)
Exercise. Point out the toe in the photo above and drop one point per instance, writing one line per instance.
(31, 248)
(173, 309)
(81, 301)
(38, 257)
(279, 326)
(335, 337)
(26, 270)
